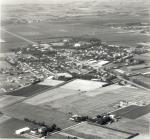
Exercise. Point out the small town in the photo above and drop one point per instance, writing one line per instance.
(76, 69)
(68, 58)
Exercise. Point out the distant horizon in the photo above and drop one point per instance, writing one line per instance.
(38, 1)
(10, 2)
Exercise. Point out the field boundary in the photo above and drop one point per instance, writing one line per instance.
(117, 130)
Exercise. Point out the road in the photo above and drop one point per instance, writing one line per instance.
(130, 82)
(18, 36)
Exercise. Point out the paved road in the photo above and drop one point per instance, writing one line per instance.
(18, 36)
(130, 82)
(135, 84)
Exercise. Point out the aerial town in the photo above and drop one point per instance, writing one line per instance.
(59, 83)
(78, 65)
(70, 58)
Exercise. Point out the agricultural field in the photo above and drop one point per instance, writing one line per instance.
(50, 82)
(89, 131)
(50, 95)
(102, 90)
(133, 111)
(139, 125)
(56, 136)
(29, 90)
(97, 104)
(8, 128)
(8, 100)
(49, 115)
(43, 31)
(4, 118)
(83, 85)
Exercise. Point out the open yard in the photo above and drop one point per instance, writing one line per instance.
(83, 85)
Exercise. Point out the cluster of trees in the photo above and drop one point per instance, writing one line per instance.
(47, 128)
(71, 137)
(101, 119)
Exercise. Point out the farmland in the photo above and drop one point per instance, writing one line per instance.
(83, 85)
(10, 126)
(77, 103)
(133, 111)
(29, 90)
(50, 95)
(43, 31)
(50, 82)
(7, 100)
(102, 90)
(91, 131)
(55, 104)
(67, 100)
(49, 116)
(62, 68)
(139, 125)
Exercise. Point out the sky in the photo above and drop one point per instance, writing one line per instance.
(51, 1)
(65, 1)
(36, 1)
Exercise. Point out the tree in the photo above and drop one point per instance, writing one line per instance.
(54, 126)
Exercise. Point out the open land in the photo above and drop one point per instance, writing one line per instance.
(29, 91)
(141, 124)
(50, 95)
(77, 103)
(54, 30)
(91, 131)
(83, 85)
(50, 82)
(49, 116)
(7, 100)
(49, 45)
(11, 125)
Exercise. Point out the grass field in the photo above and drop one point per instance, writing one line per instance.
(49, 115)
(7, 128)
(57, 136)
(133, 111)
(4, 118)
(29, 91)
(88, 131)
(139, 125)
(81, 103)
(102, 90)
(51, 82)
(50, 95)
(88, 27)
(7, 100)
(83, 85)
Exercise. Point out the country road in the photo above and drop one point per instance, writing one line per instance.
(130, 82)
(18, 36)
